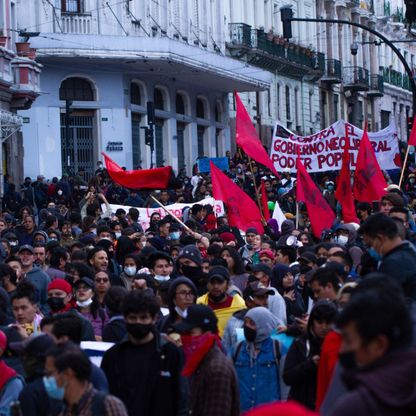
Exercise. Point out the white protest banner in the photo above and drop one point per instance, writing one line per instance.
(323, 151)
(175, 209)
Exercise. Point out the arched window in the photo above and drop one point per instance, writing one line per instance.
(135, 94)
(200, 108)
(180, 104)
(76, 89)
(158, 99)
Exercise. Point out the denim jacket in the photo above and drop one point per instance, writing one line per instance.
(259, 381)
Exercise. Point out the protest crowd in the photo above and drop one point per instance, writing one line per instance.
(207, 314)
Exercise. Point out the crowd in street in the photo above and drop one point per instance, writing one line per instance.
(205, 319)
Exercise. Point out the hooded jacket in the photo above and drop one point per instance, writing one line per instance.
(385, 388)
(286, 230)
(353, 250)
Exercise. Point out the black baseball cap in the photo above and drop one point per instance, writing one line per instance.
(256, 289)
(86, 280)
(26, 247)
(35, 346)
(198, 316)
(261, 267)
(219, 273)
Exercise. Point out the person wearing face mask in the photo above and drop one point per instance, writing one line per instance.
(182, 293)
(174, 233)
(150, 366)
(346, 236)
(377, 359)
(302, 360)
(218, 299)
(60, 301)
(213, 381)
(131, 266)
(329, 194)
(395, 257)
(67, 378)
(189, 264)
(259, 383)
(88, 306)
(33, 398)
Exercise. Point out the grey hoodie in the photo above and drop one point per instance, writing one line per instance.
(265, 322)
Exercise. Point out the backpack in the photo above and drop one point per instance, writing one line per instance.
(276, 351)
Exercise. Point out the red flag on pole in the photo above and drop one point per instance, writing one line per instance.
(265, 205)
(157, 178)
(412, 137)
(247, 139)
(343, 192)
(320, 213)
(369, 181)
(243, 212)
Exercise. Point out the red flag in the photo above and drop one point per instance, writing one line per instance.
(344, 192)
(157, 178)
(369, 182)
(247, 139)
(243, 212)
(412, 137)
(320, 213)
(264, 204)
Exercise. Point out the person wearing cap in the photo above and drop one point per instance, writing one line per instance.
(302, 360)
(67, 377)
(328, 194)
(144, 370)
(34, 275)
(189, 264)
(266, 256)
(390, 200)
(276, 303)
(213, 381)
(60, 301)
(10, 383)
(255, 294)
(88, 305)
(346, 236)
(217, 298)
(33, 398)
(247, 250)
(259, 382)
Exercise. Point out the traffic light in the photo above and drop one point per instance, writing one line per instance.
(286, 14)
(409, 124)
(148, 137)
(150, 113)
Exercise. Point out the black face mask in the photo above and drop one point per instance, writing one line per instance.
(139, 331)
(56, 304)
(249, 333)
(347, 360)
(192, 272)
(217, 298)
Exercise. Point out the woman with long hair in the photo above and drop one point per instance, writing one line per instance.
(235, 265)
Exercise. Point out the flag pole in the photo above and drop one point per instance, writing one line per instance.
(256, 189)
(404, 166)
(297, 214)
(170, 213)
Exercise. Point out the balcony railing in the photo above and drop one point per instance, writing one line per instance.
(240, 34)
(355, 78)
(376, 86)
(79, 23)
(396, 78)
(333, 71)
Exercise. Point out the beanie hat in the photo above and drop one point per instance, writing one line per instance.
(60, 284)
(252, 230)
(191, 252)
(227, 237)
(396, 199)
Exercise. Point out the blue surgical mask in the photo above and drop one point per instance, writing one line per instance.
(54, 392)
(374, 254)
(330, 187)
(175, 235)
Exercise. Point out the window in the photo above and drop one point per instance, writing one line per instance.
(180, 104)
(200, 108)
(288, 115)
(158, 99)
(72, 6)
(76, 89)
(135, 94)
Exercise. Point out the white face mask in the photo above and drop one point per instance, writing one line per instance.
(84, 303)
(94, 231)
(180, 312)
(161, 278)
(117, 234)
(341, 239)
(130, 270)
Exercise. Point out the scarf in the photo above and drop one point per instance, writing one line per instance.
(195, 349)
(6, 373)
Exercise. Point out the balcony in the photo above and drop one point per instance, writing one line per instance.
(355, 78)
(333, 72)
(274, 53)
(396, 78)
(79, 23)
(376, 86)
